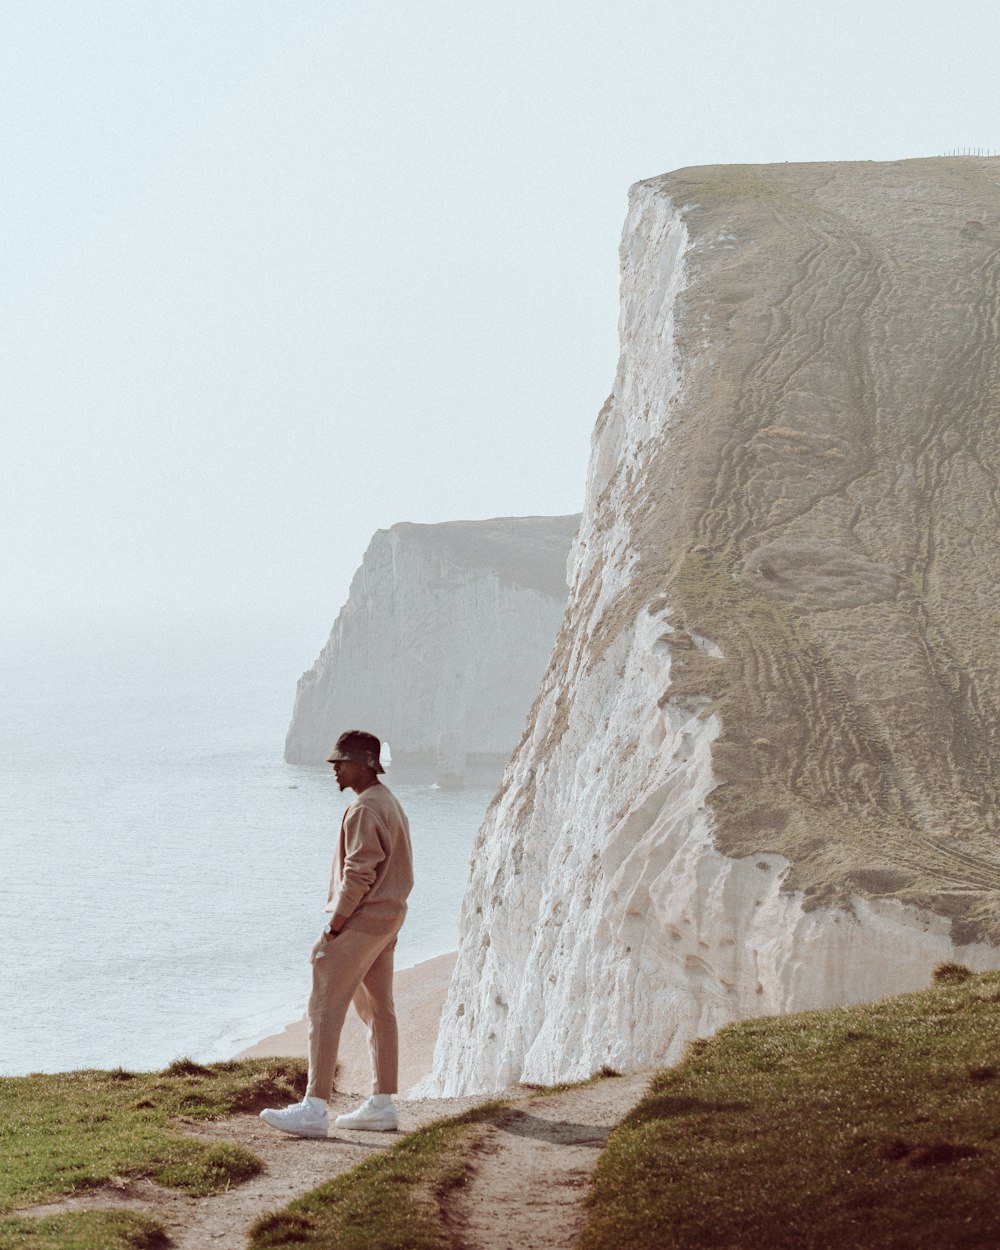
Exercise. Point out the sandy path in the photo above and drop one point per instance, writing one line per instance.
(532, 1172)
(293, 1166)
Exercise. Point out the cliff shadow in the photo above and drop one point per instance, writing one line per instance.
(559, 1132)
(668, 1108)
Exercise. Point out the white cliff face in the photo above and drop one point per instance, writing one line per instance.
(607, 929)
(444, 638)
(602, 924)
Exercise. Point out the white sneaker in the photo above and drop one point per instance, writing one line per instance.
(301, 1119)
(370, 1117)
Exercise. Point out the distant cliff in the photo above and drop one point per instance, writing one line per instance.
(442, 643)
(762, 771)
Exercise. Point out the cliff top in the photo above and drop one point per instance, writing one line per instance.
(823, 503)
(526, 551)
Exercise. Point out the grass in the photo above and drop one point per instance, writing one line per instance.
(84, 1230)
(875, 1126)
(392, 1201)
(73, 1131)
(562, 1087)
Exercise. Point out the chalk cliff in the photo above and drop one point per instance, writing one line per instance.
(442, 642)
(762, 769)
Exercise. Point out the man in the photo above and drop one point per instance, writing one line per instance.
(372, 877)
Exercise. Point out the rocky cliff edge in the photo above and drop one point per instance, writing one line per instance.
(762, 771)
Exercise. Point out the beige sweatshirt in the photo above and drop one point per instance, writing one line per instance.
(373, 867)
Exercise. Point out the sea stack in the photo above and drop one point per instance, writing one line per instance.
(441, 645)
(761, 774)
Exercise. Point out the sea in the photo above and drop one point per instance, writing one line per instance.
(163, 872)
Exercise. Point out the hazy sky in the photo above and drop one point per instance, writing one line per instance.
(276, 275)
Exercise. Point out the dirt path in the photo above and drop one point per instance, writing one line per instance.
(526, 1190)
(532, 1174)
(292, 1166)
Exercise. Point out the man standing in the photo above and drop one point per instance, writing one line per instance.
(352, 961)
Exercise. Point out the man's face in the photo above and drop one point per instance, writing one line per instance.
(349, 773)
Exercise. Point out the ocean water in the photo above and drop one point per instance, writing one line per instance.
(163, 872)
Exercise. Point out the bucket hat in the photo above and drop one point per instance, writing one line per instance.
(357, 745)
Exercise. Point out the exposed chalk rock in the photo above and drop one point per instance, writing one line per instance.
(761, 773)
(442, 643)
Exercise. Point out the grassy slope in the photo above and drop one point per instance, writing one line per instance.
(873, 1126)
(72, 1131)
(84, 1230)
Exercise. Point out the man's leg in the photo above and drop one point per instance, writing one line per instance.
(373, 1003)
(338, 964)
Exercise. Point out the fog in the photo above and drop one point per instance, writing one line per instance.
(276, 276)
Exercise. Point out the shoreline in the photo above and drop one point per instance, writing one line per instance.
(419, 992)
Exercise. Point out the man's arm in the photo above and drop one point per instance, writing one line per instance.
(363, 852)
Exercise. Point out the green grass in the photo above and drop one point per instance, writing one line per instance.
(875, 1126)
(84, 1230)
(73, 1131)
(392, 1201)
(562, 1087)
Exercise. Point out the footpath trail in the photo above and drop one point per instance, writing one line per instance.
(526, 1190)
(292, 1166)
(532, 1171)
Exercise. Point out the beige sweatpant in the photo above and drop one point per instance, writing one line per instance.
(353, 966)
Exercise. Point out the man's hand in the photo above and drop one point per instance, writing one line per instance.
(335, 927)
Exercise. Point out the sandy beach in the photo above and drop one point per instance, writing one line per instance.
(419, 991)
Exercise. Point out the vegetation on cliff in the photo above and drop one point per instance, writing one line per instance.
(71, 1132)
(874, 1126)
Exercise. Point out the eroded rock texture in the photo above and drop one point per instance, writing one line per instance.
(442, 642)
(762, 770)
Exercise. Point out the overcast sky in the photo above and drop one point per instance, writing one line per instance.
(278, 274)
